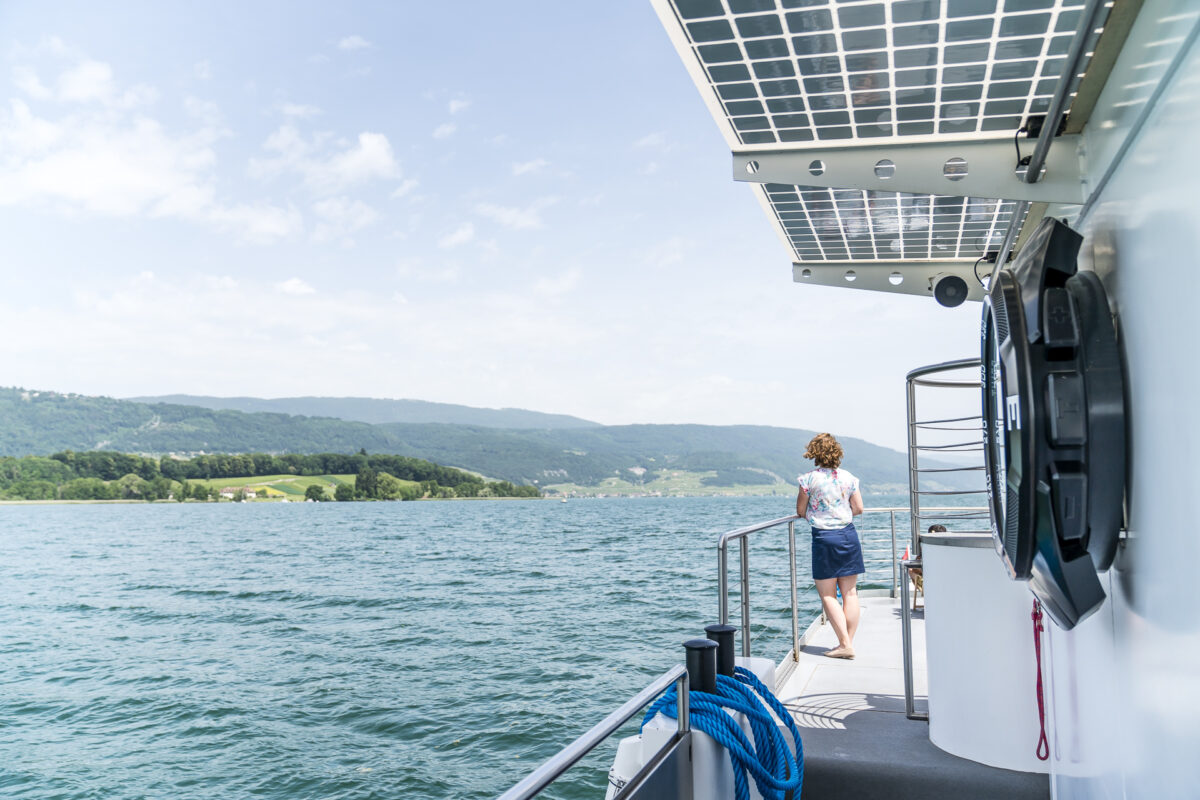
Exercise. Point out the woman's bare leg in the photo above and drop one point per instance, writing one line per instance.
(827, 589)
(849, 586)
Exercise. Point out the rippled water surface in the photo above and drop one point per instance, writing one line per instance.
(352, 650)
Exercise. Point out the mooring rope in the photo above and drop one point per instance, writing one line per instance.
(768, 757)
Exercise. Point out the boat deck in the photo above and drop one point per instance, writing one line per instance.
(857, 739)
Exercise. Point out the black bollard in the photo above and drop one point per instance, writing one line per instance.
(702, 665)
(723, 636)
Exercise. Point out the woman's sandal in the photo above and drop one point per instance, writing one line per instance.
(840, 652)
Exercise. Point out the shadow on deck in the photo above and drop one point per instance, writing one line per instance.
(857, 740)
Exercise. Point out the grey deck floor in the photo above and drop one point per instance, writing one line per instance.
(856, 736)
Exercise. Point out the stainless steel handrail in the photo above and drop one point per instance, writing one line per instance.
(926, 377)
(742, 536)
(556, 765)
(923, 376)
(536, 781)
(910, 700)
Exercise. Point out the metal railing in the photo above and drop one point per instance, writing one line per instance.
(910, 695)
(553, 768)
(742, 537)
(559, 763)
(968, 427)
(941, 377)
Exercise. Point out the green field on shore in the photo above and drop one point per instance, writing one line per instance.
(275, 487)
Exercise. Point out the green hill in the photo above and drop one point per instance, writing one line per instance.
(376, 411)
(35, 423)
(591, 455)
(39, 423)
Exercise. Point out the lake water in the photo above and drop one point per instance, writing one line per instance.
(347, 651)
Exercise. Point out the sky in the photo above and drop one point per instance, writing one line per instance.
(520, 204)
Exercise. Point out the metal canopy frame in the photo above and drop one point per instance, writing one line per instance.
(881, 136)
(963, 168)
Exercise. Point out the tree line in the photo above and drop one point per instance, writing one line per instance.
(111, 475)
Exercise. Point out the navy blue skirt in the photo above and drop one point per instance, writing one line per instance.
(836, 553)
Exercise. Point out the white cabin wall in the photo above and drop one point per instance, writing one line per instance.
(1125, 684)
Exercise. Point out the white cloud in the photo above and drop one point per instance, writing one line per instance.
(341, 216)
(444, 130)
(202, 70)
(525, 167)
(459, 236)
(405, 187)
(295, 286)
(658, 140)
(97, 155)
(204, 111)
(113, 167)
(89, 80)
(667, 252)
(25, 79)
(353, 42)
(456, 106)
(369, 158)
(259, 224)
(526, 218)
(219, 282)
(298, 110)
(558, 285)
(84, 81)
(414, 269)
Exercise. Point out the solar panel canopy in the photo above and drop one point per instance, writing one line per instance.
(816, 76)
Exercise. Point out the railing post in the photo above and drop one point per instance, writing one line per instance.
(910, 705)
(893, 516)
(684, 702)
(745, 552)
(795, 609)
(723, 580)
(914, 499)
(533, 783)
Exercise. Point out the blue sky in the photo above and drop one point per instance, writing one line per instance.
(499, 204)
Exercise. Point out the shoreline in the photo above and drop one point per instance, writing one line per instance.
(553, 499)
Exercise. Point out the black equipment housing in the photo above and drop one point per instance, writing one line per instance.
(1054, 423)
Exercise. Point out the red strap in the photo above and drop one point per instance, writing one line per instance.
(1043, 746)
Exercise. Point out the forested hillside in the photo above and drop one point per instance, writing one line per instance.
(36, 423)
(108, 475)
(376, 411)
(587, 456)
(40, 423)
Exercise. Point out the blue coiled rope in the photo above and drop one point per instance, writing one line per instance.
(768, 758)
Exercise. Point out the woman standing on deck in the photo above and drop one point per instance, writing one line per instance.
(829, 499)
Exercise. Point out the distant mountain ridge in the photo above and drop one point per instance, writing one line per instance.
(377, 411)
(41, 423)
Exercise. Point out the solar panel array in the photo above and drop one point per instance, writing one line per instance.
(810, 70)
(855, 225)
(790, 72)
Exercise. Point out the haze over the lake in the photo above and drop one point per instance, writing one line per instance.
(519, 204)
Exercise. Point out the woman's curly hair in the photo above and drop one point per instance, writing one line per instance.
(825, 451)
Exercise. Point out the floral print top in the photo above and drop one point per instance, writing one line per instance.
(829, 492)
